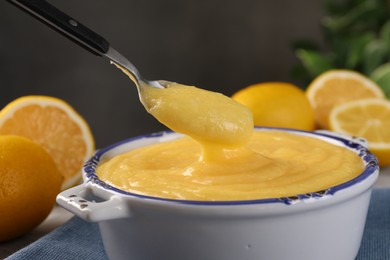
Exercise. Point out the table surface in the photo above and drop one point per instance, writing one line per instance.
(59, 216)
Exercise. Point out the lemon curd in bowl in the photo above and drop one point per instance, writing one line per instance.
(273, 164)
(221, 157)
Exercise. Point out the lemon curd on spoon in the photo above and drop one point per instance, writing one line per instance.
(220, 157)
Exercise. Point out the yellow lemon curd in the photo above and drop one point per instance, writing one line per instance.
(221, 157)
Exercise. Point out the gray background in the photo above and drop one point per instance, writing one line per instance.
(219, 45)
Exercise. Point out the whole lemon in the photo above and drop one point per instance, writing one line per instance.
(29, 183)
(277, 104)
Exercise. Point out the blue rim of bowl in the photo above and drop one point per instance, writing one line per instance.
(371, 166)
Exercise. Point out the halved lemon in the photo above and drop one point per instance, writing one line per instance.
(367, 118)
(336, 87)
(54, 124)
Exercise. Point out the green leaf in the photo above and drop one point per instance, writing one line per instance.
(385, 32)
(381, 76)
(357, 37)
(375, 53)
(360, 13)
(355, 51)
(314, 61)
(301, 73)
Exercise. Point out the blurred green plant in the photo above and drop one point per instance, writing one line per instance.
(357, 37)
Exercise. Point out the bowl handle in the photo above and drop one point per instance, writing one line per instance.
(80, 201)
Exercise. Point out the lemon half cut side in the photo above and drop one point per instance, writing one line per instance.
(337, 87)
(367, 118)
(54, 124)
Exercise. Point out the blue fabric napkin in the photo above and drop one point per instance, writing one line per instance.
(376, 238)
(78, 239)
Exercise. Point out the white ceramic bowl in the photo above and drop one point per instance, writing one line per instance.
(327, 224)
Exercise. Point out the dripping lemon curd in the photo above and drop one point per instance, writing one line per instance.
(221, 157)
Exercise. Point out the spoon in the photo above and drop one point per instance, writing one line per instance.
(86, 38)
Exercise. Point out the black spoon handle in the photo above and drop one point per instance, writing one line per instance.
(64, 24)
